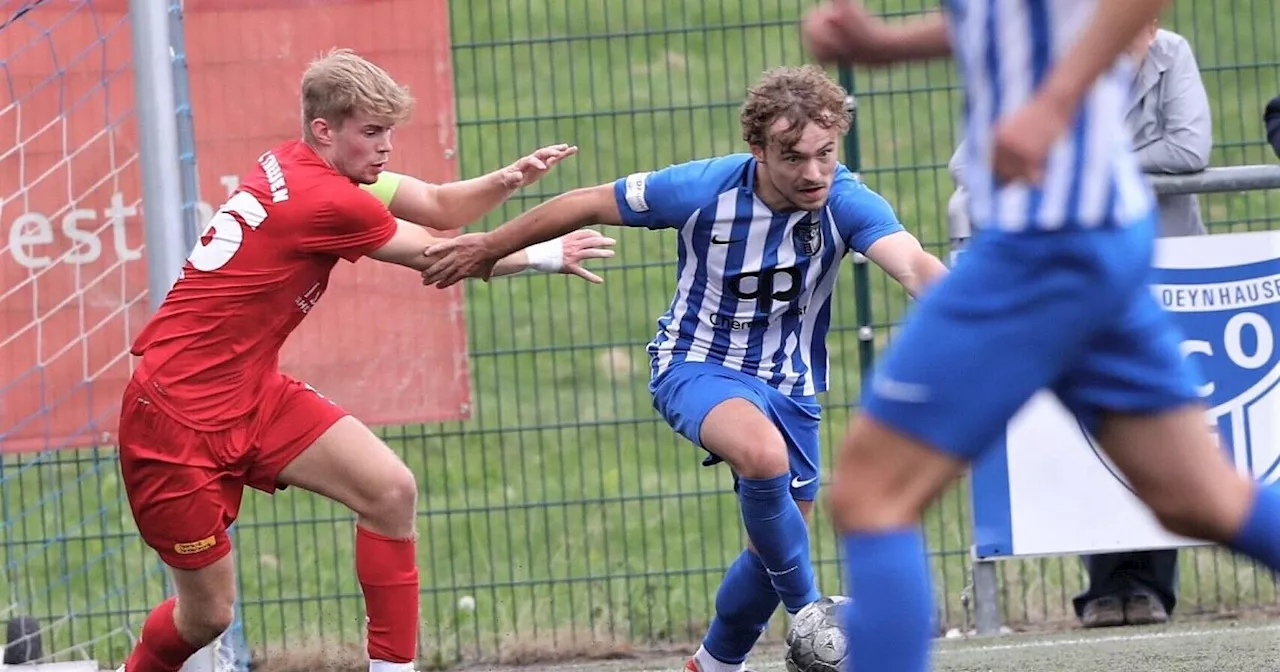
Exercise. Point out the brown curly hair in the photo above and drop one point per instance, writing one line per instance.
(798, 94)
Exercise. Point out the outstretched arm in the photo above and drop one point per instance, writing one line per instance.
(902, 257)
(453, 205)
(869, 225)
(565, 255)
(843, 31)
(470, 255)
(407, 244)
(554, 218)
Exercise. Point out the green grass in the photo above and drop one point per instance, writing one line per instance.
(579, 522)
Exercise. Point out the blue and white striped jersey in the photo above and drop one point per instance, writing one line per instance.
(1005, 49)
(754, 286)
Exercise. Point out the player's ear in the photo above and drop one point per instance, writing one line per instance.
(322, 130)
(758, 152)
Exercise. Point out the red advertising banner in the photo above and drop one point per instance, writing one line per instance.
(73, 281)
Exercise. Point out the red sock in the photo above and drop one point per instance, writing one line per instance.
(161, 648)
(388, 573)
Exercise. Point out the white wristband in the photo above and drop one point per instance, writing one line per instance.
(546, 257)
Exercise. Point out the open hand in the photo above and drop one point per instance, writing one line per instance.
(529, 169)
(581, 245)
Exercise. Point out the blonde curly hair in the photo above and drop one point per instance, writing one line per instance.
(801, 95)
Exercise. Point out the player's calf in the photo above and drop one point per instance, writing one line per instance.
(350, 464)
(739, 433)
(744, 602)
(882, 484)
(180, 626)
(1176, 467)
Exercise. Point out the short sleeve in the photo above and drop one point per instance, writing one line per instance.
(664, 199)
(861, 215)
(350, 225)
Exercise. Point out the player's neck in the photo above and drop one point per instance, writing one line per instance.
(320, 152)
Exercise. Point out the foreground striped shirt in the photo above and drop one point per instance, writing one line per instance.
(1005, 49)
(753, 290)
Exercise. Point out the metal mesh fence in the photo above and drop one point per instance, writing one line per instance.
(572, 516)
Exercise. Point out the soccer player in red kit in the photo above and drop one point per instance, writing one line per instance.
(208, 411)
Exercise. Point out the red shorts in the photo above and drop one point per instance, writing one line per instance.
(184, 485)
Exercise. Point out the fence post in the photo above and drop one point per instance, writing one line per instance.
(157, 146)
(166, 144)
(861, 275)
(985, 590)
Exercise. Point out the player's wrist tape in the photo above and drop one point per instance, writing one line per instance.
(546, 257)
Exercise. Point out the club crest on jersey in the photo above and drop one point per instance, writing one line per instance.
(808, 236)
(1229, 318)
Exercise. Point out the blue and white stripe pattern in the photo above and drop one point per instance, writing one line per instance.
(1005, 49)
(754, 286)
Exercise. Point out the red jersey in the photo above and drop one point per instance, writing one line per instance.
(262, 262)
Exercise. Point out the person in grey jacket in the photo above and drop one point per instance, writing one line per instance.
(1170, 126)
(1170, 121)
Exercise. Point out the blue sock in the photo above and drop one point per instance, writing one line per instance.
(1260, 536)
(889, 620)
(744, 603)
(778, 532)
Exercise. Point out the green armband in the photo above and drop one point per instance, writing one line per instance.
(385, 188)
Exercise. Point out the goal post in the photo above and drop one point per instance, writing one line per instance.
(103, 112)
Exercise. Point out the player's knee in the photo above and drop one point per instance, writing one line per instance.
(860, 504)
(204, 622)
(761, 459)
(219, 619)
(393, 509)
(738, 432)
(884, 480)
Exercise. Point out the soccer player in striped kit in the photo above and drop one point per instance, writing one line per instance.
(740, 354)
(1051, 294)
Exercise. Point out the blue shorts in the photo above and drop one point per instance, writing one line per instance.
(684, 393)
(1068, 311)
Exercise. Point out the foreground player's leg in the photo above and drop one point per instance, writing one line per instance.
(182, 625)
(350, 464)
(744, 603)
(182, 507)
(881, 486)
(1175, 466)
(1003, 314)
(739, 433)
(1141, 398)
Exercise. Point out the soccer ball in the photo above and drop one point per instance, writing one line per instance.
(815, 642)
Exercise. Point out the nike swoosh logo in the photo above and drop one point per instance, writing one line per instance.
(718, 241)
(797, 483)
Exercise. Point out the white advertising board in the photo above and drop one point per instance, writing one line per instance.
(1047, 489)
